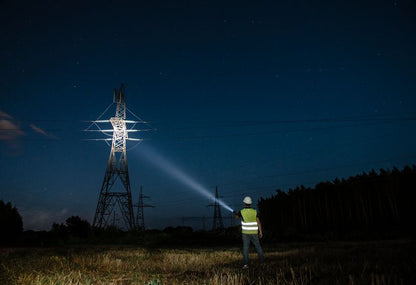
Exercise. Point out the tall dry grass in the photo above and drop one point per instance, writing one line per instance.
(335, 263)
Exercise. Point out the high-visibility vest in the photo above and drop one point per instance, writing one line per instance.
(249, 221)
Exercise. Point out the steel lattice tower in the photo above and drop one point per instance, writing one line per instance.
(140, 211)
(217, 221)
(117, 169)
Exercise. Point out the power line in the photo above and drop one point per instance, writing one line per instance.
(361, 121)
(269, 132)
(245, 123)
(277, 186)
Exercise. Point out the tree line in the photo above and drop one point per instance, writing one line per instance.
(373, 203)
(11, 224)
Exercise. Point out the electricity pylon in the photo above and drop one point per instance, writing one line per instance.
(117, 169)
(140, 211)
(217, 221)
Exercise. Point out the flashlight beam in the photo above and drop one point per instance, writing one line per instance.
(181, 176)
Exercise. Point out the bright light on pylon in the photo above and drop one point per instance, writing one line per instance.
(117, 169)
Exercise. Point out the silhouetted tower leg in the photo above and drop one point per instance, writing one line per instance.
(217, 222)
(116, 169)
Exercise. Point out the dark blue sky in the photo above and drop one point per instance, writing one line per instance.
(249, 96)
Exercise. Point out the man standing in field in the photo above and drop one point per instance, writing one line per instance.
(251, 230)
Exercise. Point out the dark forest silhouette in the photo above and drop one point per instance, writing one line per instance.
(367, 204)
(11, 224)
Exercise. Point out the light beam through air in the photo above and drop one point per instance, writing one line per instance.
(179, 175)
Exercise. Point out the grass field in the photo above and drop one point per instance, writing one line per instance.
(377, 262)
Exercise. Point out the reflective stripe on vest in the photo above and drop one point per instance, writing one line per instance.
(249, 221)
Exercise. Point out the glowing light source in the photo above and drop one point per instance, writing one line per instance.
(179, 175)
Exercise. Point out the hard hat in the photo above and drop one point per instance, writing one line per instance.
(247, 200)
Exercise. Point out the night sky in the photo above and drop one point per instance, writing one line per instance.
(249, 96)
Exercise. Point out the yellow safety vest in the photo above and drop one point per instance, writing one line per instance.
(249, 221)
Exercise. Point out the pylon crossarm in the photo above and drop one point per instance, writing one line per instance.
(111, 130)
(126, 121)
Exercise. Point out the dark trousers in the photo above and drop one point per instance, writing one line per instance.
(253, 238)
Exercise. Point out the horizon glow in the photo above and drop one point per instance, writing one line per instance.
(180, 175)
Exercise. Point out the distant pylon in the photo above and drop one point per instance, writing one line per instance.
(140, 212)
(117, 170)
(217, 220)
